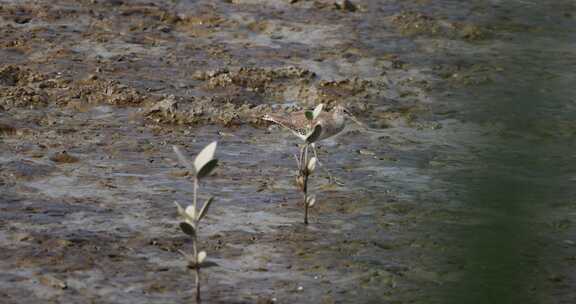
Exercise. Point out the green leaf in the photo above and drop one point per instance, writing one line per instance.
(205, 208)
(180, 209)
(311, 201)
(317, 111)
(207, 168)
(312, 164)
(205, 156)
(188, 229)
(190, 213)
(309, 115)
(201, 256)
(314, 135)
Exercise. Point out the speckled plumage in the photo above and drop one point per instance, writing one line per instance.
(332, 122)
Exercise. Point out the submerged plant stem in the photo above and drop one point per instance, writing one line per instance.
(195, 238)
(195, 243)
(197, 283)
(303, 172)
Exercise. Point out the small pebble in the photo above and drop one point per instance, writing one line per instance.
(63, 158)
(366, 152)
(345, 5)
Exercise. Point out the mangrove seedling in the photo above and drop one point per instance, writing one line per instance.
(306, 165)
(191, 216)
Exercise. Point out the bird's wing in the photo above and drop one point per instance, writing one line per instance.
(296, 122)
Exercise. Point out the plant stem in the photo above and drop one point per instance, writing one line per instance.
(195, 238)
(301, 163)
(196, 267)
(195, 242)
(305, 210)
(197, 284)
(304, 172)
(195, 194)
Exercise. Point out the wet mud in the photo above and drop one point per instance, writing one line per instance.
(93, 94)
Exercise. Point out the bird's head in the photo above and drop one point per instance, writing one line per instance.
(341, 110)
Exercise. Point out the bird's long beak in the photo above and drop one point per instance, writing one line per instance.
(361, 124)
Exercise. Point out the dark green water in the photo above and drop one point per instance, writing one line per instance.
(523, 177)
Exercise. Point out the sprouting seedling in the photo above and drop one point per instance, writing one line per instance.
(307, 165)
(204, 164)
(304, 172)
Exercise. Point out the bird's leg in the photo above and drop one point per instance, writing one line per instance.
(330, 177)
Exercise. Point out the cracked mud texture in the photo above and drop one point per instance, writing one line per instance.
(93, 94)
